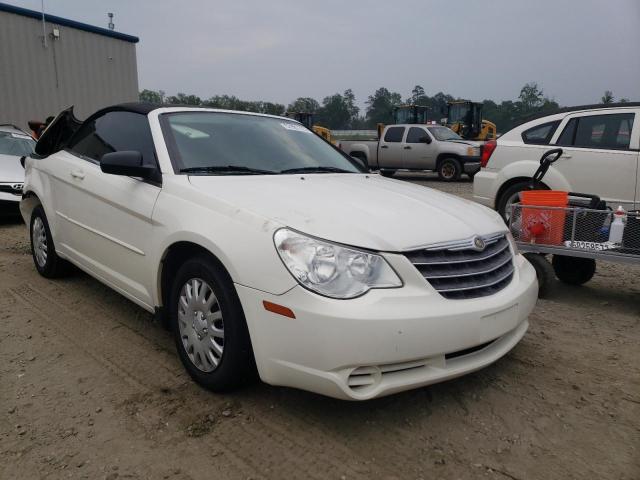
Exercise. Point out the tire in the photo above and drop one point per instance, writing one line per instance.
(573, 270)
(449, 170)
(503, 205)
(387, 173)
(544, 272)
(43, 251)
(212, 341)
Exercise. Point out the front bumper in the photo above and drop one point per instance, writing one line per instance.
(388, 340)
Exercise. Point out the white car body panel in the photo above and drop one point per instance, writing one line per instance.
(118, 229)
(612, 174)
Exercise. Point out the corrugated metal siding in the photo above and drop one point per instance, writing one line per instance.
(83, 69)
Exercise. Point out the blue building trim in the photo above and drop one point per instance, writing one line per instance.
(67, 23)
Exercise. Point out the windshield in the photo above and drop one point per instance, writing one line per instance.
(458, 113)
(444, 133)
(215, 143)
(17, 144)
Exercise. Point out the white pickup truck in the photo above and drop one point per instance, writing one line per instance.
(418, 147)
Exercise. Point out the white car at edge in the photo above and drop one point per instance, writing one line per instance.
(600, 156)
(261, 245)
(14, 143)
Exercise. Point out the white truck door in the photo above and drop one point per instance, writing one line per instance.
(390, 148)
(599, 157)
(419, 150)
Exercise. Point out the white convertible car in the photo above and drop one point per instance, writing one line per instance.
(264, 247)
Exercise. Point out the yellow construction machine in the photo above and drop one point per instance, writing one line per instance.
(306, 118)
(465, 118)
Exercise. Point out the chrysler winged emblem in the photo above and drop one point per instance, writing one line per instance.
(478, 243)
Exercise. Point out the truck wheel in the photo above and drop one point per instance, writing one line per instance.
(45, 258)
(387, 173)
(574, 270)
(209, 327)
(544, 272)
(449, 170)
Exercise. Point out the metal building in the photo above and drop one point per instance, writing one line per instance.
(50, 63)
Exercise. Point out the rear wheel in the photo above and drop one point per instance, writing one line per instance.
(449, 170)
(209, 326)
(574, 270)
(43, 251)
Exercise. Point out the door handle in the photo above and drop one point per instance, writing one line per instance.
(407, 148)
(384, 146)
(79, 174)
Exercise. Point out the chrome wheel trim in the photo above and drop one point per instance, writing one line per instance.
(39, 242)
(448, 170)
(515, 198)
(201, 325)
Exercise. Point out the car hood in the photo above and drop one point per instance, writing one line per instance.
(10, 169)
(366, 211)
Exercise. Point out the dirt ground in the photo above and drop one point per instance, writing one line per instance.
(90, 387)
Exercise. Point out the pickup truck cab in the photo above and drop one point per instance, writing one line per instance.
(418, 147)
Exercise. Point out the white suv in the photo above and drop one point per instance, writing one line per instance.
(260, 244)
(600, 156)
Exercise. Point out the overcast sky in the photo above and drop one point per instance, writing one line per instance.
(279, 50)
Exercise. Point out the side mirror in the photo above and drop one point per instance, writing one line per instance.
(426, 139)
(127, 163)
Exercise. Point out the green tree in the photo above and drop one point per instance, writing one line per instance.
(623, 100)
(184, 99)
(418, 96)
(350, 100)
(304, 104)
(380, 106)
(150, 96)
(531, 97)
(607, 97)
(334, 113)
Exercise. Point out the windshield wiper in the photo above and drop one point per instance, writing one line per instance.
(227, 169)
(318, 169)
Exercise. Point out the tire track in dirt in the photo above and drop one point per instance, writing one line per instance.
(119, 353)
(122, 351)
(100, 301)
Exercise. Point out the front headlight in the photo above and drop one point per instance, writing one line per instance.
(332, 270)
(473, 151)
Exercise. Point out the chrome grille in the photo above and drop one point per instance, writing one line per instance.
(461, 270)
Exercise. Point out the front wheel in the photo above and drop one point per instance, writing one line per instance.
(449, 170)
(209, 326)
(573, 270)
(43, 251)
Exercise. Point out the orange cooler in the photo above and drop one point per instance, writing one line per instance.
(541, 225)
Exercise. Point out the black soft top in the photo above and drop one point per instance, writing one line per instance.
(59, 132)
